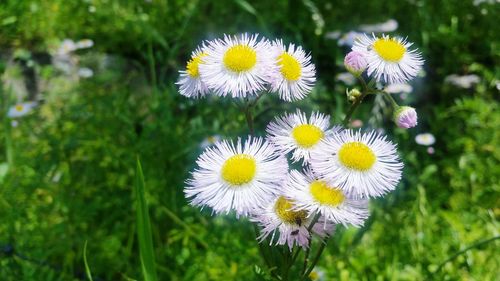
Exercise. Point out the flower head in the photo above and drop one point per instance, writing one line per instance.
(237, 66)
(361, 164)
(287, 225)
(240, 177)
(190, 83)
(355, 62)
(316, 196)
(293, 76)
(21, 109)
(389, 58)
(405, 117)
(425, 139)
(295, 132)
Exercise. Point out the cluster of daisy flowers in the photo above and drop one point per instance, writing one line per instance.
(305, 176)
(338, 171)
(244, 66)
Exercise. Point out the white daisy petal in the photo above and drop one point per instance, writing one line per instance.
(293, 76)
(288, 226)
(237, 66)
(310, 193)
(294, 132)
(389, 58)
(190, 83)
(363, 165)
(240, 177)
(21, 109)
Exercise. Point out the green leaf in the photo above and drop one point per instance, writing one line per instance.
(87, 268)
(144, 228)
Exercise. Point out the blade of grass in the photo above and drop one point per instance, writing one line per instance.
(146, 251)
(87, 268)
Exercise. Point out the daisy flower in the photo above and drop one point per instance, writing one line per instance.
(315, 196)
(286, 225)
(363, 165)
(426, 139)
(389, 58)
(237, 66)
(240, 177)
(294, 75)
(294, 132)
(21, 109)
(190, 83)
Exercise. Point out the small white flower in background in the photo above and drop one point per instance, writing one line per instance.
(14, 123)
(497, 85)
(406, 117)
(389, 58)
(355, 63)
(346, 78)
(464, 81)
(349, 38)
(286, 225)
(208, 141)
(356, 123)
(317, 274)
(240, 177)
(21, 109)
(398, 88)
(237, 65)
(190, 83)
(297, 134)
(361, 164)
(85, 72)
(426, 139)
(293, 77)
(84, 44)
(430, 150)
(388, 26)
(67, 46)
(333, 34)
(313, 195)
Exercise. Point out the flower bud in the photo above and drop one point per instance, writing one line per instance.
(353, 94)
(405, 117)
(355, 63)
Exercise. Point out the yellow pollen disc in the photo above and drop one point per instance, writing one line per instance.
(357, 156)
(239, 169)
(325, 194)
(290, 67)
(307, 135)
(389, 49)
(19, 107)
(240, 58)
(193, 64)
(314, 276)
(283, 208)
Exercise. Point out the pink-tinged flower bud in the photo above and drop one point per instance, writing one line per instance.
(355, 63)
(406, 117)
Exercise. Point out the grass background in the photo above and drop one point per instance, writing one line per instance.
(75, 156)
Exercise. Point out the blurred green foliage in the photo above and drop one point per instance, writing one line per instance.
(72, 175)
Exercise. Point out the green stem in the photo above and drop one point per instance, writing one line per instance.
(391, 99)
(353, 107)
(457, 254)
(249, 117)
(316, 259)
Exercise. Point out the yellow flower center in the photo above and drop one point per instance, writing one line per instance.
(19, 107)
(239, 169)
(240, 58)
(192, 67)
(357, 156)
(307, 135)
(389, 49)
(283, 208)
(290, 67)
(314, 276)
(325, 194)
